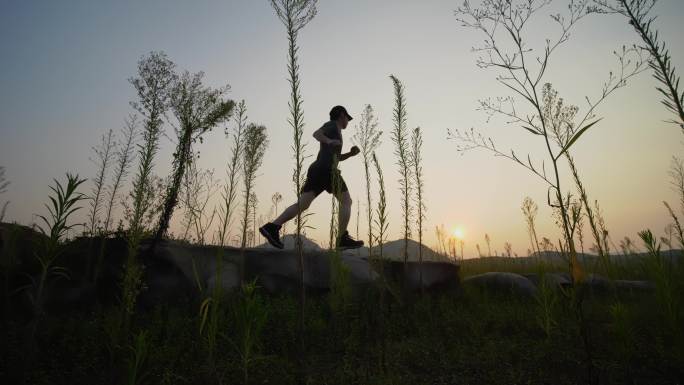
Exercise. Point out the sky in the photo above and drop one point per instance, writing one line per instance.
(64, 82)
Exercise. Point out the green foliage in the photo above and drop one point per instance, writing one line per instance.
(473, 337)
(622, 329)
(55, 227)
(250, 314)
(139, 351)
(662, 271)
(198, 109)
(547, 300)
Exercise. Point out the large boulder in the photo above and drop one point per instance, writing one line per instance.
(502, 282)
(178, 272)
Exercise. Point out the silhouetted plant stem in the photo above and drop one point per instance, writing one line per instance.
(416, 160)
(295, 14)
(382, 224)
(124, 157)
(3, 188)
(254, 148)
(400, 137)
(103, 156)
(367, 138)
(198, 109)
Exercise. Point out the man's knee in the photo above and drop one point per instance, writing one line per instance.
(305, 202)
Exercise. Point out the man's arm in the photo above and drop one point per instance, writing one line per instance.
(353, 151)
(320, 136)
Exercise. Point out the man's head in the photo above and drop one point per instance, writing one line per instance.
(340, 115)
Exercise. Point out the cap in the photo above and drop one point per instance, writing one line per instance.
(336, 111)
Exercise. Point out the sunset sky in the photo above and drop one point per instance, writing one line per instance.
(65, 65)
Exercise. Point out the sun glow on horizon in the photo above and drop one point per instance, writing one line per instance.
(458, 233)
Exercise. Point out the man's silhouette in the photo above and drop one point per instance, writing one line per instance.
(322, 174)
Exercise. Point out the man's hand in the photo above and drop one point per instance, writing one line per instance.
(354, 151)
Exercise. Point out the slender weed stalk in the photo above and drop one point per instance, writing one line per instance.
(529, 209)
(550, 119)
(104, 153)
(155, 77)
(638, 14)
(677, 180)
(230, 189)
(547, 300)
(103, 157)
(253, 204)
(124, 157)
(198, 190)
(382, 224)
(295, 14)
(367, 137)
(276, 198)
(400, 137)
(340, 289)
(3, 189)
(254, 148)
(419, 183)
(677, 225)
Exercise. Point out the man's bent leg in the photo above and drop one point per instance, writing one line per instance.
(305, 200)
(345, 210)
(344, 241)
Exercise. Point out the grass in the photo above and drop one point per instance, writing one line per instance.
(474, 337)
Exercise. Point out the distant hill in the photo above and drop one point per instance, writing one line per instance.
(556, 257)
(395, 250)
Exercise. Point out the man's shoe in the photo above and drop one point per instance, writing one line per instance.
(271, 232)
(347, 242)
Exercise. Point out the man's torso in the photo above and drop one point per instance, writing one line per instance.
(327, 152)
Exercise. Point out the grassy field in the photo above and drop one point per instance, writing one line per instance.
(460, 337)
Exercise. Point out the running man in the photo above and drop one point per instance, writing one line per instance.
(319, 177)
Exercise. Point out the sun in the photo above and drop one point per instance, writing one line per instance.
(458, 233)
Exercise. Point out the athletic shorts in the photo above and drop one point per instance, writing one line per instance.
(321, 178)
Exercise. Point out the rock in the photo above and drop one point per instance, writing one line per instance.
(626, 285)
(503, 282)
(178, 272)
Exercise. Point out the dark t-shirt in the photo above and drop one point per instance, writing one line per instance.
(324, 159)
